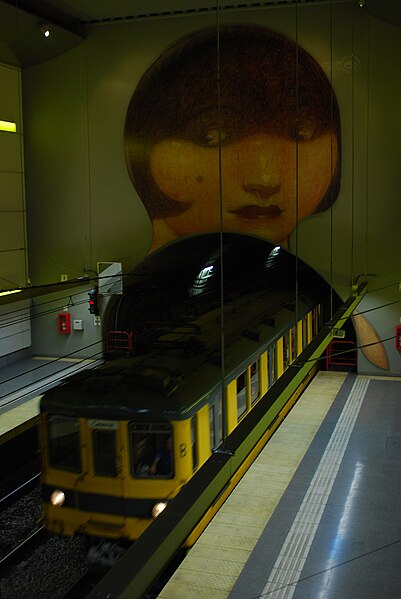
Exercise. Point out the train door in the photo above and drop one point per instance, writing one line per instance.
(64, 444)
(194, 444)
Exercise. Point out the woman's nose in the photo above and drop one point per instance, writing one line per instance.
(259, 166)
(261, 190)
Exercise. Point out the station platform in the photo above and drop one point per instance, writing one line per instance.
(318, 515)
(22, 383)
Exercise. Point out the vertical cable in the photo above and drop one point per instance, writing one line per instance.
(85, 127)
(21, 135)
(222, 337)
(331, 157)
(367, 147)
(296, 174)
(352, 149)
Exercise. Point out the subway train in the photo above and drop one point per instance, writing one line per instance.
(120, 441)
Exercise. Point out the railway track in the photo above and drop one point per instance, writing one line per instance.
(33, 563)
(24, 487)
(23, 549)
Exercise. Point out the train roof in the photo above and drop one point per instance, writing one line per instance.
(181, 368)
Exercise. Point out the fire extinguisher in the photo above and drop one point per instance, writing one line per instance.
(64, 323)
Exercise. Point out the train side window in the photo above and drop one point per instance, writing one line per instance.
(64, 443)
(241, 395)
(104, 453)
(293, 344)
(315, 323)
(317, 319)
(304, 332)
(286, 350)
(151, 450)
(255, 385)
(272, 365)
(194, 443)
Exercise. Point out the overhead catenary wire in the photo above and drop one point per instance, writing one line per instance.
(53, 360)
(29, 392)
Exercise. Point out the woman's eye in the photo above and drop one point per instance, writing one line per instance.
(302, 132)
(213, 138)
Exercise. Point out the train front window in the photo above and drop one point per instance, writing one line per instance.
(151, 450)
(64, 443)
(104, 453)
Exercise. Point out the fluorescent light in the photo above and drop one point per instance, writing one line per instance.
(10, 291)
(8, 126)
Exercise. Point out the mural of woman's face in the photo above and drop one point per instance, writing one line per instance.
(257, 159)
(264, 176)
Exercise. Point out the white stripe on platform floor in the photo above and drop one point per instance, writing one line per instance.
(287, 570)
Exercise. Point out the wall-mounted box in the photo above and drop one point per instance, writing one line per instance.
(78, 325)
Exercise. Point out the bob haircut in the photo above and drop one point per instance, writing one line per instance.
(268, 83)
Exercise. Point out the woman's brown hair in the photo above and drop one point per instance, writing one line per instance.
(267, 83)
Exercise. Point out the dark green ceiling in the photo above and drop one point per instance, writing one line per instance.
(21, 42)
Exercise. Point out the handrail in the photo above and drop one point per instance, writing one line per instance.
(339, 353)
(119, 340)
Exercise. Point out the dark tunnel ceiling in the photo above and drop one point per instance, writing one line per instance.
(22, 44)
(188, 277)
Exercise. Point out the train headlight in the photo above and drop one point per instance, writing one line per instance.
(57, 498)
(158, 508)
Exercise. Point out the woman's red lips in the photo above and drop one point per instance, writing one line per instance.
(252, 212)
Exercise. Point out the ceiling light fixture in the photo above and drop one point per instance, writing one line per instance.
(45, 30)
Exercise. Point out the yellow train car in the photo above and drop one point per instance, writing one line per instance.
(120, 441)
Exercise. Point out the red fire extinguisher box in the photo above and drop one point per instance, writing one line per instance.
(64, 323)
(398, 337)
